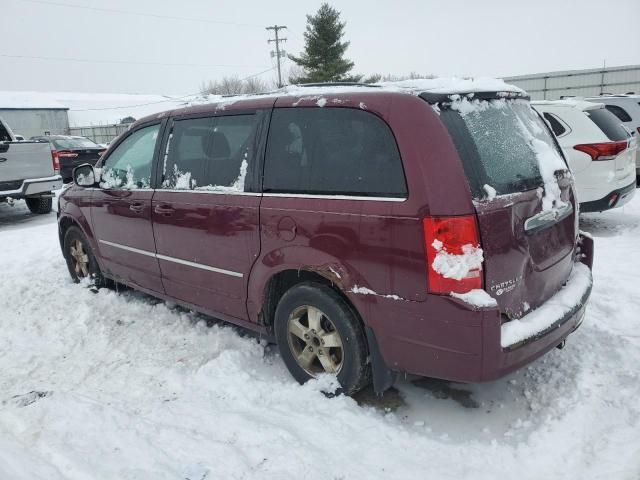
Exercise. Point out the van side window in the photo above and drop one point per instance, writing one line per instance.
(211, 153)
(129, 165)
(332, 151)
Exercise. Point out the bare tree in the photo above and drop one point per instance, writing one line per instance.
(234, 85)
(378, 77)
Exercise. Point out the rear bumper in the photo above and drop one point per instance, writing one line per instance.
(446, 338)
(34, 186)
(614, 199)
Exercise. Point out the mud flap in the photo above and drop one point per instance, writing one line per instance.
(383, 377)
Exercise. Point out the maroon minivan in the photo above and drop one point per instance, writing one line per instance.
(369, 231)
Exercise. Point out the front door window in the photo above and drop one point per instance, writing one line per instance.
(129, 165)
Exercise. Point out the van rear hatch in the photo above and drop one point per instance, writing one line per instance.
(523, 196)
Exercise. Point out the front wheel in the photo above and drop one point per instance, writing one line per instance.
(80, 259)
(318, 332)
(39, 205)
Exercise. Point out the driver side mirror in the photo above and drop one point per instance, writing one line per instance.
(84, 175)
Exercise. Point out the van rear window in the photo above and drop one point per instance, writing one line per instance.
(608, 123)
(494, 141)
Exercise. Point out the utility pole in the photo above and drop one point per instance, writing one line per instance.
(278, 53)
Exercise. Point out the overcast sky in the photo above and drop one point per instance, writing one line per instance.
(143, 51)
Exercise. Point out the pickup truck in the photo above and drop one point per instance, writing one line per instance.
(27, 171)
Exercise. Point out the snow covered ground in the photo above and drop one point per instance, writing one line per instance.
(121, 386)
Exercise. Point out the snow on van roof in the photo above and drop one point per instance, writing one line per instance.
(569, 103)
(455, 85)
(441, 85)
(86, 109)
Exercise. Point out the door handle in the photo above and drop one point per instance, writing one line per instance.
(164, 210)
(136, 207)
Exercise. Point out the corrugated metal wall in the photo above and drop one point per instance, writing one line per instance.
(33, 122)
(581, 83)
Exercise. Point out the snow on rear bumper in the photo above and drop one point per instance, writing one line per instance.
(554, 313)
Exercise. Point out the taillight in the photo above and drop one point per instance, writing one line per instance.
(56, 162)
(63, 154)
(602, 151)
(453, 254)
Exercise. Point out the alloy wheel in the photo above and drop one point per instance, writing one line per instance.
(314, 341)
(79, 259)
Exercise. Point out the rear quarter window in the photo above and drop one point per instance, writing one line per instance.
(555, 124)
(332, 151)
(619, 112)
(608, 123)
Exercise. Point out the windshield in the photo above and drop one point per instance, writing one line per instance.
(73, 143)
(503, 144)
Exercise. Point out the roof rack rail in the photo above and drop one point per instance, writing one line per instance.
(337, 84)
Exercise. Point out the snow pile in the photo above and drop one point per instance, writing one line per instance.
(490, 191)
(549, 160)
(111, 178)
(455, 85)
(134, 388)
(236, 186)
(456, 266)
(367, 291)
(183, 181)
(476, 297)
(551, 311)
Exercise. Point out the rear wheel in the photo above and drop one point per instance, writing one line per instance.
(80, 259)
(39, 205)
(318, 332)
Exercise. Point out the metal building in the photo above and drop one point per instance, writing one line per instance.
(30, 117)
(580, 83)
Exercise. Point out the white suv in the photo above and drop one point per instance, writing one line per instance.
(627, 109)
(600, 151)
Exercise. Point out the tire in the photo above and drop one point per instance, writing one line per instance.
(39, 205)
(335, 342)
(81, 261)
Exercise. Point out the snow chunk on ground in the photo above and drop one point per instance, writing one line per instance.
(477, 298)
(456, 266)
(551, 311)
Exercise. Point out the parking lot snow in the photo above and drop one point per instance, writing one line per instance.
(117, 385)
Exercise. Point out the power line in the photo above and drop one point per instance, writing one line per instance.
(169, 99)
(125, 62)
(152, 15)
(278, 54)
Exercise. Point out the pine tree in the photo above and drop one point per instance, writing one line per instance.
(322, 59)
